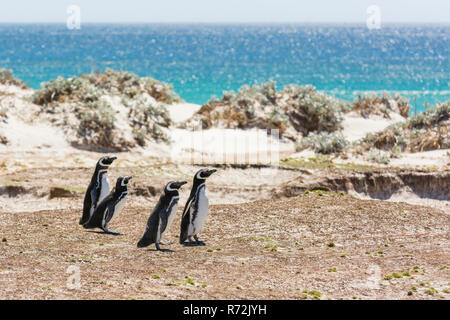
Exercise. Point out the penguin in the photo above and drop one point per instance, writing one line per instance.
(196, 209)
(162, 216)
(98, 189)
(110, 206)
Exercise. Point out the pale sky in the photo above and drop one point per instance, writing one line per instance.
(222, 11)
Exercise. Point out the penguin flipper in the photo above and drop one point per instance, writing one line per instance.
(163, 220)
(109, 213)
(87, 206)
(151, 229)
(185, 220)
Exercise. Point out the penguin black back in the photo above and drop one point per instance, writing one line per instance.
(162, 215)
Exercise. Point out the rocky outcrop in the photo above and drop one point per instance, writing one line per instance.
(378, 185)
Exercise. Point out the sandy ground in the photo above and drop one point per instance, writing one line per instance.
(180, 112)
(356, 127)
(436, 159)
(318, 245)
(29, 189)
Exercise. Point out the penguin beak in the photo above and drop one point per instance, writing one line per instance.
(127, 179)
(210, 172)
(109, 160)
(181, 183)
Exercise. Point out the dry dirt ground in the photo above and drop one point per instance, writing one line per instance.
(317, 245)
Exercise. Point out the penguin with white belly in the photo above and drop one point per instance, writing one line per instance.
(110, 206)
(196, 209)
(98, 188)
(162, 216)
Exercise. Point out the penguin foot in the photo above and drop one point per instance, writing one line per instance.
(106, 231)
(158, 248)
(190, 243)
(198, 242)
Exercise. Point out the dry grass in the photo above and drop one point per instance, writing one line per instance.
(425, 131)
(367, 105)
(6, 77)
(3, 139)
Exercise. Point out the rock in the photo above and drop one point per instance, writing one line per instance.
(57, 192)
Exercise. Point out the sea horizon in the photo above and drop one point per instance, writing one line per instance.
(201, 60)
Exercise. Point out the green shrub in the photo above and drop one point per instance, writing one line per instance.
(368, 104)
(424, 131)
(293, 110)
(97, 124)
(250, 107)
(278, 119)
(147, 119)
(323, 142)
(131, 85)
(312, 111)
(378, 156)
(90, 87)
(77, 105)
(58, 90)
(431, 117)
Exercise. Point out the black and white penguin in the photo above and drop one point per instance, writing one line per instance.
(162, 216)
(196, 209)
(98, 189)
(110, 206)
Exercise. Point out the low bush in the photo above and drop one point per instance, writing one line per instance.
(424, 131)
(312, 111)
(323, 142)
(378, 156)
(6, 78)
(372, 104)
(294, 110)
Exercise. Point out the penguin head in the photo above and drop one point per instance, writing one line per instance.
(173, 186)
(203, 174)
(105, 162)
(122, 182)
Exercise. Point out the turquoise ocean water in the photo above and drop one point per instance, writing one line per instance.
(202, 60)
